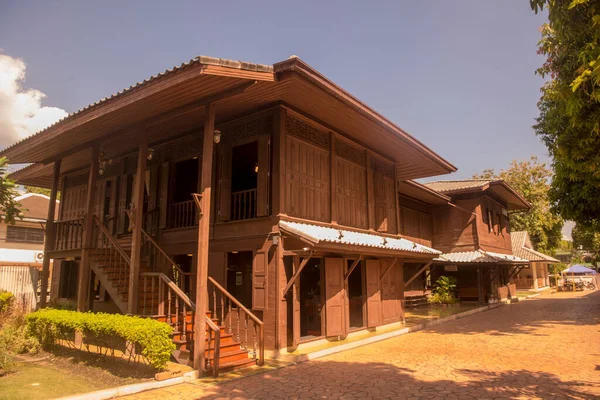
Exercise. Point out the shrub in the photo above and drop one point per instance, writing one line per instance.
(6, 299)
(442, 291)
(150, 336)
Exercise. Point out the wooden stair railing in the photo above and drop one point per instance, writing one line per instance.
(111, 264)
(161, 297)
(222, 306)
(159, 261)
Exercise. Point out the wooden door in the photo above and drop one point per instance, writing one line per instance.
(335, 294)
(259, 280)
(225, 183)
(372, 272)
(390, 300)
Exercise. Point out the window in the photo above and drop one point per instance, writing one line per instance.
(21, 234)
(499, 223)
(490, 220)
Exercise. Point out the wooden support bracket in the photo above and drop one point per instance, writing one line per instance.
(354, 265)
(412, 278)
(198, 201)
(390, 268)
(297, 274)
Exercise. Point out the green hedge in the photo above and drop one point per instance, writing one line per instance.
(6, 299)
(151, 336)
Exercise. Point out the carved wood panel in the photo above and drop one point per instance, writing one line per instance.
(246, 130)
(306, 132)
(307, 179)
(347, 151)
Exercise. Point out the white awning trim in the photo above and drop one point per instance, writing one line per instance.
(480, 256)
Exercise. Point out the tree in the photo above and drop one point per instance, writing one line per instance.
(9, 207)
(531, 179)
(569, 120)
(587, 238)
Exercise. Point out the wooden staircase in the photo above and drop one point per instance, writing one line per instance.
(160, 298)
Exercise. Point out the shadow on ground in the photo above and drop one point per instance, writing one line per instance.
(326, 379)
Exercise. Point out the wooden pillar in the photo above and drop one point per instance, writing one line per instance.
(88, 230)
(370, 192)
(138, 216)
(333, 174)
(533, 267)
(479, 286)
(203, 240)
(49, 243)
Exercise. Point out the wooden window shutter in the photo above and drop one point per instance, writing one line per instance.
(390, 298)
(264, 166)
(55, 279)
(225, 184)
(335, 312)
(163, 195)
(381, 220)
(373, 268)
(259, 280)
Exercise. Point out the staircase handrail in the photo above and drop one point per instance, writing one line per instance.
(184, 297)
(261, 334)
(112, 239)
(166, 256)
(217, 345)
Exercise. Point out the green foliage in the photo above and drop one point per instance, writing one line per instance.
(14, 337)
(569, 120)
(557, 268)
(6, 299)
(531, 179)
(588, 238)
(153, 337)
(442, 291)
(9, 208)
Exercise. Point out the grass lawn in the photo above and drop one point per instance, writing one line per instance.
(67, 374)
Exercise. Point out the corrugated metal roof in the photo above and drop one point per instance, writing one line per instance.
(449, 186)
(479, 256)
(521, 246)
(318, 234)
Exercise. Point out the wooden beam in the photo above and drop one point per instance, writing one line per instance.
(412, 278)
(49, 243)
(390, 268)
(354, 265)
(88, 228)
(296, 274)
(137, 218)
(515, 272)
(204, 240)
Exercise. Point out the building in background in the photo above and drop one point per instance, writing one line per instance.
(536, 275)
(22, 248)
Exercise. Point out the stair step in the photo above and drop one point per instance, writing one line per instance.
(230, 356)
(230, 366)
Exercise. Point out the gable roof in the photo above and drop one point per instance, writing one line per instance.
(522, 247)
(174, 101)
(420, 192)
(515, 201)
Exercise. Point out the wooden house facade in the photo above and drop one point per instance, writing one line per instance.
(257, 202)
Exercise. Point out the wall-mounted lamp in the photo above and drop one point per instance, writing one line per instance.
(150, 155)
(256, 168)
(217, 136)
(275, 240)
(103, 161)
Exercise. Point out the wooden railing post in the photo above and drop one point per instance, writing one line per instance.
(88, 227)
(49, 241)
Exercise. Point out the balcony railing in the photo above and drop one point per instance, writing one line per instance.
(243, 205)
(183, 214)
(68, 234)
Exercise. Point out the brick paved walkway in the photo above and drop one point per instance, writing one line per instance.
(547, 347)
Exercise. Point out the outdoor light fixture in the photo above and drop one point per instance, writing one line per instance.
(217, 136)
(150, 155)
(256, 168)
(103, 161)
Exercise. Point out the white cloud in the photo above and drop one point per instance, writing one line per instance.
(21, 111)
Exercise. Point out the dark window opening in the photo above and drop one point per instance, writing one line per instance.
(185, 263)
(106, 202)
(67, 287)
(311, 300)
(22, 234)
(239, 276)
(356, 296)
(186, 180)
(244, 181)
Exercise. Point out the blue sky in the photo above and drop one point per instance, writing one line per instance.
(458, 75)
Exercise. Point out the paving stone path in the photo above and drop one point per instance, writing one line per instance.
(547, 347)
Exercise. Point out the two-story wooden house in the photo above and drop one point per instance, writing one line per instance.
(473, 232)
(255, 197)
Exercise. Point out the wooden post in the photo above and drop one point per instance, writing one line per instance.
(88, 230)
(136, 236)
(203, 240)
(49, 243)
(533, 267)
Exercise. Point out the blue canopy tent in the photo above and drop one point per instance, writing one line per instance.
(579, 269)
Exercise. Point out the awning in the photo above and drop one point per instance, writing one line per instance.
(480, 257)
(579, 269)
(333, 239)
